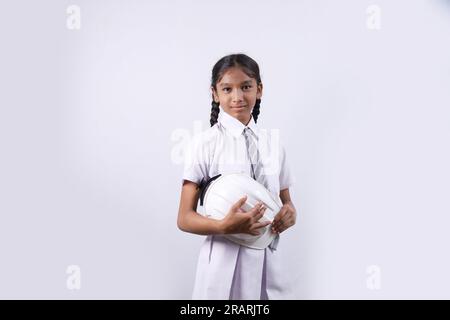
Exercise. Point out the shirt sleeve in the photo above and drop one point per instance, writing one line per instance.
(286, 179)
(195, 161)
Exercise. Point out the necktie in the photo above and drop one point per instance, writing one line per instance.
(254, 157)
(256, 169)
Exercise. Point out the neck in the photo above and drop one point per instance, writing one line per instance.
(245, 121)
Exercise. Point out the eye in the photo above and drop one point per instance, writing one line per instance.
(225, 89)
(247, 87)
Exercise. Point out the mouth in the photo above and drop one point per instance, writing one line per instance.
(239, 107)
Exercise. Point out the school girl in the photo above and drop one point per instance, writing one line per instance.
(227, 270)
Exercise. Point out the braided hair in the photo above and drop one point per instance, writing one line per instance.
(248, 66)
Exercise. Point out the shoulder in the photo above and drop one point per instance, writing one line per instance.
(204, 141)
(205, 137)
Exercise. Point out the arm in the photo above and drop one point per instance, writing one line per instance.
(287, 216)
(236, 221)
(286, 197)
(189, 220)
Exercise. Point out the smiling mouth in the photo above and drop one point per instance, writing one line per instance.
(239, 107)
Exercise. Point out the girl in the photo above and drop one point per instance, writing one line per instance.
(227, 270)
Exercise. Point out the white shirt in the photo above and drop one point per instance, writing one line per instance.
(221, 149)
(227, 270)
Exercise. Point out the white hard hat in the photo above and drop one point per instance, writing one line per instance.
(219, 193)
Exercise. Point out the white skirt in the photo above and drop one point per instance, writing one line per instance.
(227, 270)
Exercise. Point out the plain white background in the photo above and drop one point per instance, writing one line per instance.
(90, 145)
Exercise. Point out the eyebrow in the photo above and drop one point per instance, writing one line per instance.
(229, 84)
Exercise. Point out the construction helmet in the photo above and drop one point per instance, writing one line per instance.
(219, 193)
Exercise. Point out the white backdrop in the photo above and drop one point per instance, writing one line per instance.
(94, 95)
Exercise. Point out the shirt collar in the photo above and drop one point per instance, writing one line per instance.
(234, 126)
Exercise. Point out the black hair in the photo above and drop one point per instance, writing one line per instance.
(248, 66)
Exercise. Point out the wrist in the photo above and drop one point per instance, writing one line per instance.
(221, 226)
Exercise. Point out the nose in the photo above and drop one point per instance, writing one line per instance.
(237, 96)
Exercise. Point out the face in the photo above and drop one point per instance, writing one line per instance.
(236, 93)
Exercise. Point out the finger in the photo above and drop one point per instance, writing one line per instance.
(259, 225)
(289, 219)
(281, 225)
(279, 216)
(278, 227)
(239, 203)
(288, 215)
(255, 209)
(282, 229)
(259, 214)
(273, 230)
(285, 224)
(284, 221)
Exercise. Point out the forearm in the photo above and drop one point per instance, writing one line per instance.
(193, 222)
(289, 203)
(286, 198)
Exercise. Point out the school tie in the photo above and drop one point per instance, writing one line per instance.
(257, 170)
(254, 157)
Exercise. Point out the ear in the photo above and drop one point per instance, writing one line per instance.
(214, 94)
(259, 91)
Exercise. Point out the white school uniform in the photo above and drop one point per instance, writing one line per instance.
(227, 270)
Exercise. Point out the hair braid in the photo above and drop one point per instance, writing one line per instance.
(255, 111)
(214, 112)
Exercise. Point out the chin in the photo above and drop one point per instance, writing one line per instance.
(239, 113)
(242, 116)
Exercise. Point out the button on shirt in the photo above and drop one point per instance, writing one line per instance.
(222, 149)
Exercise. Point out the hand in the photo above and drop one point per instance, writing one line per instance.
(284, 219)
(239, 221)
